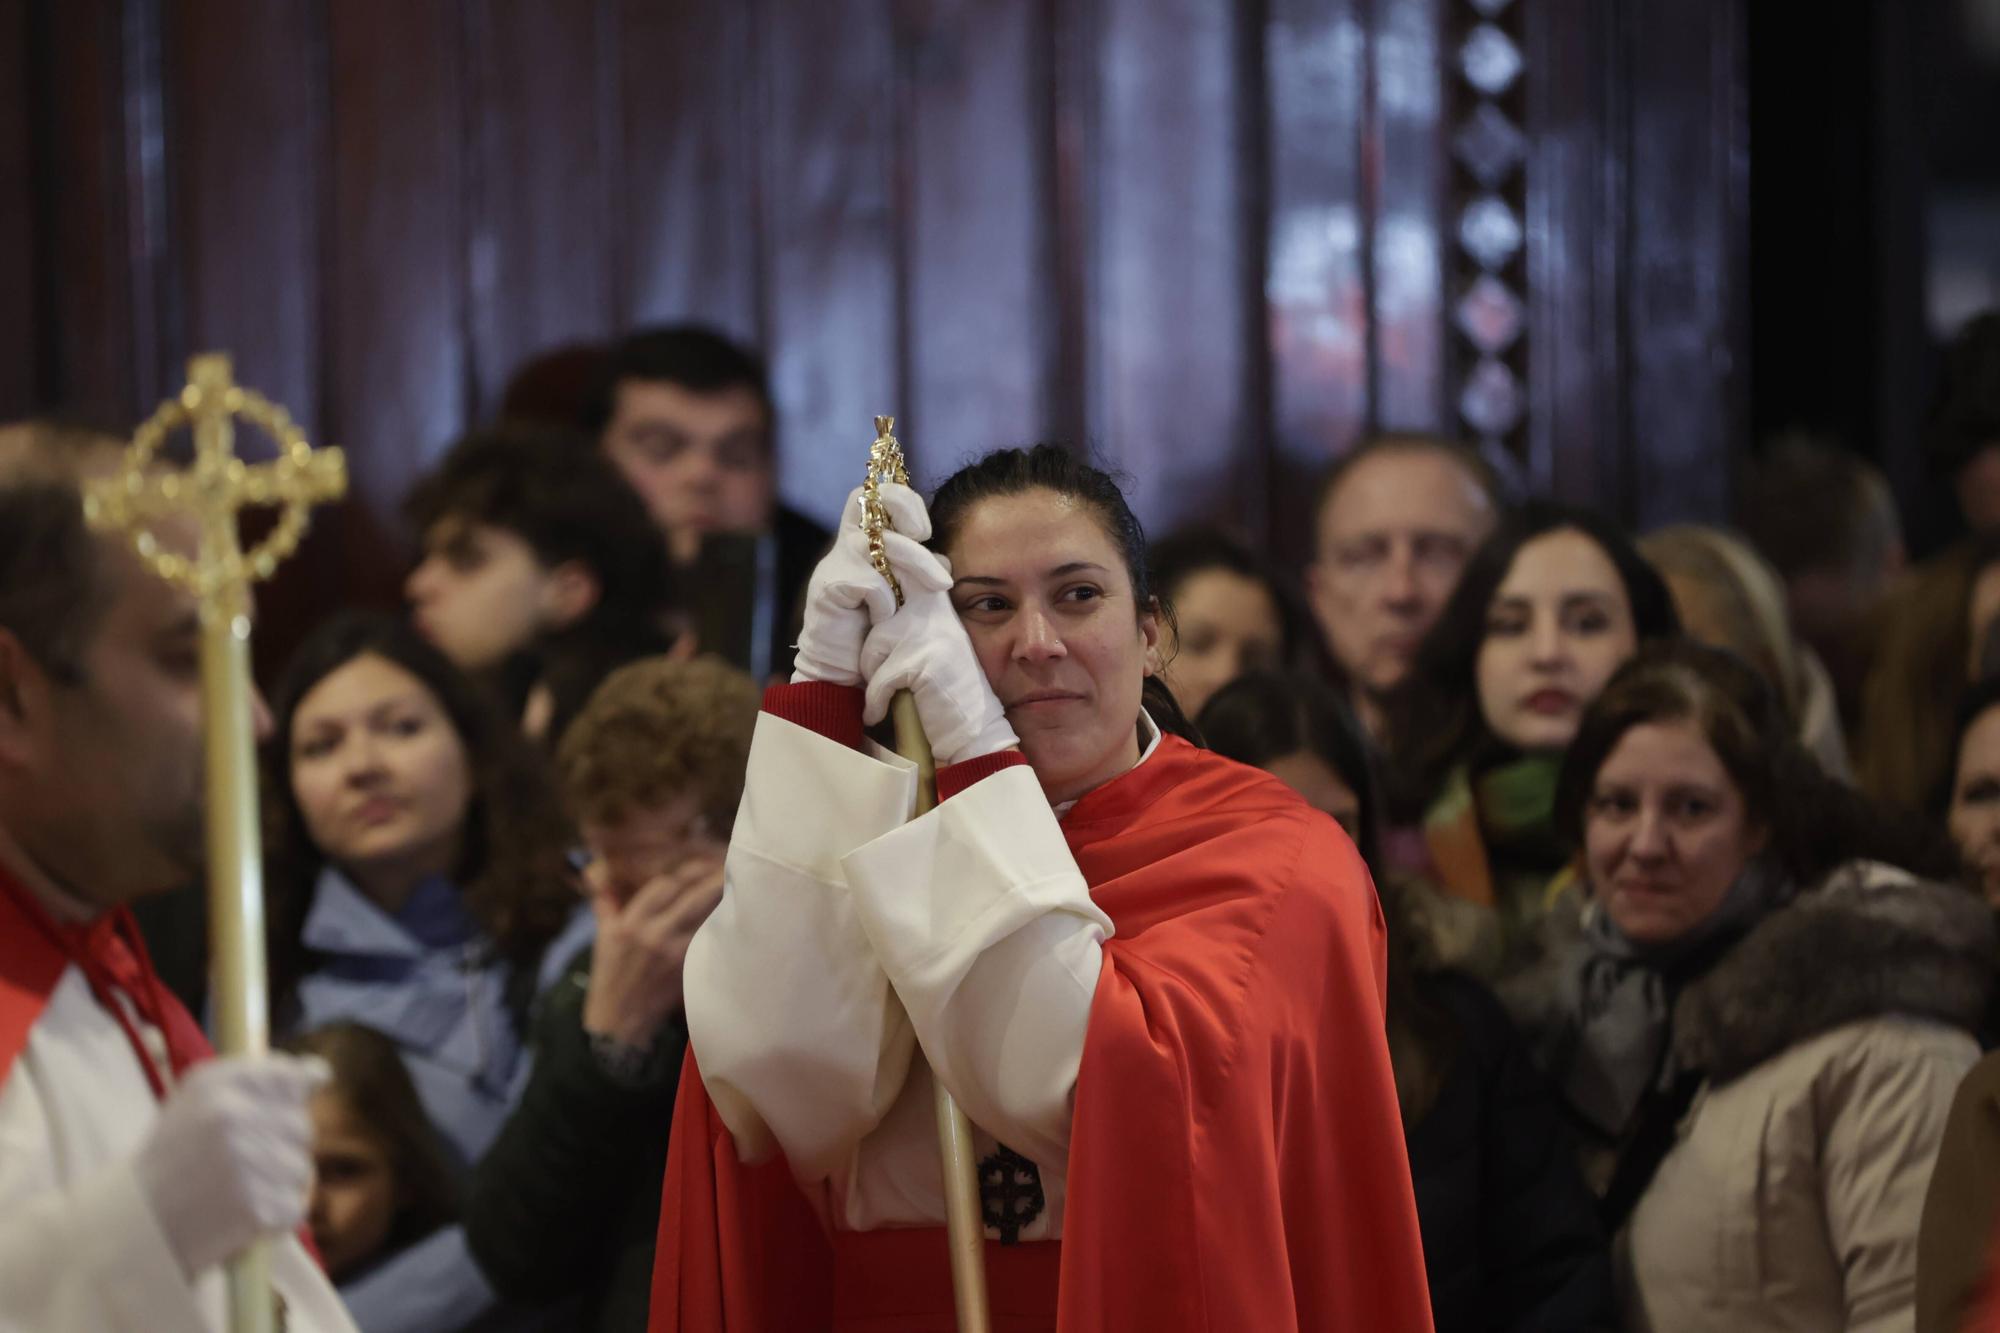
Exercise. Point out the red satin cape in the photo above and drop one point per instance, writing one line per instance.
(1236, 1159)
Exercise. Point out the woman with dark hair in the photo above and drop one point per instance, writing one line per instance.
(1228, 614)
(1550, 605)
(419, 886)
(1761, 1013)
(1511, 1239)
(1152, 978)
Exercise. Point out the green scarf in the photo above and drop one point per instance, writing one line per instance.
(1492, 839)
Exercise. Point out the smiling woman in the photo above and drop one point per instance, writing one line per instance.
(1759, 1014)
(1152, 978)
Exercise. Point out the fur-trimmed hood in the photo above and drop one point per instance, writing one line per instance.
(1870, 941)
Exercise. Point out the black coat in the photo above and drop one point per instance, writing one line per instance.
(565, 1206)
(1511, 1237)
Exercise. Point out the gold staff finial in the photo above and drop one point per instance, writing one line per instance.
(213, 492)
(885, 463)
(217, 487)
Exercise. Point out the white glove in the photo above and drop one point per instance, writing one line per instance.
(231, 1157)
(848, 594)
(924, 648)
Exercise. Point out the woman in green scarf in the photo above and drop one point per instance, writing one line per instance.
(1549, 607)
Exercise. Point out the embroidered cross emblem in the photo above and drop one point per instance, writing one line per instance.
(1010, 1194)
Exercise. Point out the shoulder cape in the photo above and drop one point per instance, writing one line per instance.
(1237, 1155)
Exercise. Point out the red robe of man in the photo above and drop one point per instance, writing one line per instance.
(1236, 1158)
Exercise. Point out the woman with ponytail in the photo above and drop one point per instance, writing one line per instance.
(1152, 978)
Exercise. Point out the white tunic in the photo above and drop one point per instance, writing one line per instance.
(850, 935)
(80, 1251)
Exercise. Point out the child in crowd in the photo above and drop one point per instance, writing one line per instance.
(380, 1178)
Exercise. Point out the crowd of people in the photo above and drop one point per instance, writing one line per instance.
(1504, 922)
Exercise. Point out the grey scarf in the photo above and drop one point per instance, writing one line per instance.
(1618, 999)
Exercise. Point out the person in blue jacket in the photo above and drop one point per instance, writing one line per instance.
(419, 887)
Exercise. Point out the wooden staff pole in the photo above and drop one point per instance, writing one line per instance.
(965, 1229)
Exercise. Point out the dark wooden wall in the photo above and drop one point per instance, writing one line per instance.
(1217, 240)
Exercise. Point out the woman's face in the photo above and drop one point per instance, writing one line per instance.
(379, 771)
(1665, 833)
(1046, 599)
(1975, 801)
(1323, 788)
(354, 1194)
(1228, 625)
(1558, 626)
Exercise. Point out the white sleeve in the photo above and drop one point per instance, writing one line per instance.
(798, 1035)
(988, 932)
(89, 1258)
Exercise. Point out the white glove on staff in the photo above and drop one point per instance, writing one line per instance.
(231, 1157)
(924, 649)
(848, 594)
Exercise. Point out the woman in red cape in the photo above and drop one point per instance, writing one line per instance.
(1222, 1148)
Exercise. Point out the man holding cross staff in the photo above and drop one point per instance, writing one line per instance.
(1153, 979)
(133, 1167)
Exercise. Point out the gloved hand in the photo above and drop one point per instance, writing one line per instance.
(848, 594)
(230, 1159)
(924, 648)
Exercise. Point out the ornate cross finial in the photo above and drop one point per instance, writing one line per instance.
(885, 463)
(216, 488)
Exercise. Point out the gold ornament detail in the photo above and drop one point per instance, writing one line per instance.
(885, 464)
(217, 487)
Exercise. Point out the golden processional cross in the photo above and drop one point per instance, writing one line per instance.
(142, 495)
(965, 1226)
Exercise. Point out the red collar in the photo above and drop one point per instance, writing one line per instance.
(35, 951)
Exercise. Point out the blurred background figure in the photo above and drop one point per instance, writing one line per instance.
(540, 572)
(558, 387)
(381, 1181)
(1727, 597)
(686, 415)
(1396, 520)
(1972, 805)
(1230, 614)
(1930, 642)
(1511, 1239)
(1963, 435)
(566, 1203)
(1823, 516)
(1550, 605)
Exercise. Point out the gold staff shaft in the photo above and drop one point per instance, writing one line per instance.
(965, 1229)
(235, 851)
(236, 903)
